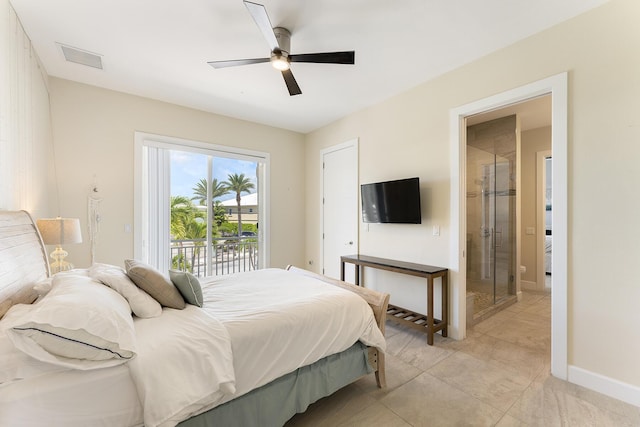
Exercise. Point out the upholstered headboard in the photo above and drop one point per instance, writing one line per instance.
(23, 259)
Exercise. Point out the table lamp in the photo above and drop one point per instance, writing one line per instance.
(59, 231)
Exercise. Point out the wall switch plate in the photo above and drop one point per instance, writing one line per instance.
(436, 230)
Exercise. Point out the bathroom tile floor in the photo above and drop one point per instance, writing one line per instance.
(498, 376)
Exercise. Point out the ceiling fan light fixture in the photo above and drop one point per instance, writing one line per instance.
(280, 61)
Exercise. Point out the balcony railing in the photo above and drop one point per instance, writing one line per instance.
(230, 255)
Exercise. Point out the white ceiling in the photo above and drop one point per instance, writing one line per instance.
(159, 48)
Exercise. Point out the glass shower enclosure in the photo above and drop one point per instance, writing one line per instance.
(491, 213)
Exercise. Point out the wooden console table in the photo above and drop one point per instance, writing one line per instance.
(427, 323)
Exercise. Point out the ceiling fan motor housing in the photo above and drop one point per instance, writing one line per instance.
(284, 39)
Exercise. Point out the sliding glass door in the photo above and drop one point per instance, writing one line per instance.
(201, 209)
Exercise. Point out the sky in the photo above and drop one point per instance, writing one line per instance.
(188, 168)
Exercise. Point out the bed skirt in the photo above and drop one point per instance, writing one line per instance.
(276, 402)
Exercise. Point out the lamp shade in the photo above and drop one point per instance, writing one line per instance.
(60, 231)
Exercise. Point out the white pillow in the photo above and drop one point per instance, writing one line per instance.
(141, 303)
(43, 287)
(79, 324)
(17, 365)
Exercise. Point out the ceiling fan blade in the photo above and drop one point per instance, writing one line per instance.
(259, 15)
(348, 57)
(237, 62)
(292, 85)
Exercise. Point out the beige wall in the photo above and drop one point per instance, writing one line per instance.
(533, 141)
(409, 135)
(94, 137)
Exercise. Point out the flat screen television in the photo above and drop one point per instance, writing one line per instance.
(395, 202)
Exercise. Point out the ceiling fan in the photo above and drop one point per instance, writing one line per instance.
(279, 40)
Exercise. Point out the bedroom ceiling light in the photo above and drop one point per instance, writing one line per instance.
(59, 231)
(280, 61)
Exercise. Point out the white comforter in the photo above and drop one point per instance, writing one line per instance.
(184, 360)
(254, 327)
(279, 321)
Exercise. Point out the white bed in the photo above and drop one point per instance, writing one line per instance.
(254, 328)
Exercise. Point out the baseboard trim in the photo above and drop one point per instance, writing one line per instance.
(530, 286)
(611, 387)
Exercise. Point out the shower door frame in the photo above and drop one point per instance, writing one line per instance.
(492, 230)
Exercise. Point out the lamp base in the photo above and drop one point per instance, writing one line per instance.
(59, 264)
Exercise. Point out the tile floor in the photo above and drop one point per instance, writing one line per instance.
(498, 376)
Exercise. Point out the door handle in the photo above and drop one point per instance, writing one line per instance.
(493, 238)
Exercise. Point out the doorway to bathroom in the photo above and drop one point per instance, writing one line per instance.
(556, 87)
(507, 205)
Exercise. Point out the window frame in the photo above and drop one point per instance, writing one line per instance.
(143, 241)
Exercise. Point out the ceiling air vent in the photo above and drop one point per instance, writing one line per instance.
(80, 56)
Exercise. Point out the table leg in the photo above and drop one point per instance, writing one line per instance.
(342, 270)
(430, 310)
(357, 274)
(445, 302)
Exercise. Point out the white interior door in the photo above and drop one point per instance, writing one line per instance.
(340, 206)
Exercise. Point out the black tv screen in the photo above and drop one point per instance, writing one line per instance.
(392, 202)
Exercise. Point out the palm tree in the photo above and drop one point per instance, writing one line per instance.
(219, 213)
(187, 223)
(239, 184)
(196, 231)
(182, 212)
(200, 190)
